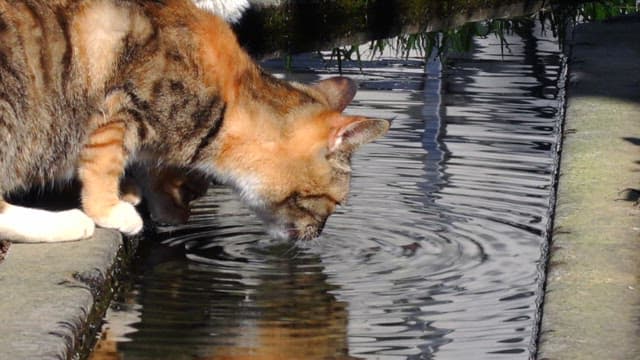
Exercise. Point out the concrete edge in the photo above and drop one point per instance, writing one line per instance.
(592, 298)
(55, 295)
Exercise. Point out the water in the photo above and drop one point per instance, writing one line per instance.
(438, 254)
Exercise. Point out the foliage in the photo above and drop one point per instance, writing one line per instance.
(557, 17)
(564, 15)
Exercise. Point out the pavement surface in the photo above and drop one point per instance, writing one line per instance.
(592, 300)
(54, 295)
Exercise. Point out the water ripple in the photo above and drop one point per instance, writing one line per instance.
(437, 251)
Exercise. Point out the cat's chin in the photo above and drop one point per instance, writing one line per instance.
(282, 234)
(290, 233)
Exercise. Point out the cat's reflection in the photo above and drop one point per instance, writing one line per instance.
(277, 305)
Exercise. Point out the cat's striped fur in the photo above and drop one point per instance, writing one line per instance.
(87, 87)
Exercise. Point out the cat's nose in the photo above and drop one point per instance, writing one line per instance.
(293, 234)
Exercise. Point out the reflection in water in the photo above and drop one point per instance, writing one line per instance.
(437, 253)
(191, 310)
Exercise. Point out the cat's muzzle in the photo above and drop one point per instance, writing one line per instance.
(297, 231)
(307, 232)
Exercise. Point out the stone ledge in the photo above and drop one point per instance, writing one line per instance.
(592, 296)
(54, 295)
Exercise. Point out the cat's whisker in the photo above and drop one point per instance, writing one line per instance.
(315, 243)
(291, 248)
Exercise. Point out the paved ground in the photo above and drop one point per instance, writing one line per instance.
(592, 304)
(52, 294)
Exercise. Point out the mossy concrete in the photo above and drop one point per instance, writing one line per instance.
(592, 303)
(54, 295)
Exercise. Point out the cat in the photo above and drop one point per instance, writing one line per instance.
(168, 191)
(89, 87)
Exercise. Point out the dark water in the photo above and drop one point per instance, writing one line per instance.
(438, 255)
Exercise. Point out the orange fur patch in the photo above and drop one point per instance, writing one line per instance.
(222, 58)
(98, 32)
(26, 23)
(101, 167)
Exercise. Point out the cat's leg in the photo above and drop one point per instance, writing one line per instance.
(22, 224)
(172, 190)
(168, 191)
(101, 166)
(130, 191)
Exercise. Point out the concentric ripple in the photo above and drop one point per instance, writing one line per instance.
(437, 254)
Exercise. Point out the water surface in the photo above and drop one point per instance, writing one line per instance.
(438, 254)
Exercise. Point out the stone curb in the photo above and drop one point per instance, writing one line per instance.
(54, 295)
(592, 297)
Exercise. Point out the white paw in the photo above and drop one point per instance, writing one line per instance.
(22, 224)
(133, 199)
(130, 191)
(122, 217)
(75, 225)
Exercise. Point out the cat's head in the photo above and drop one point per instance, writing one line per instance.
(288, 152)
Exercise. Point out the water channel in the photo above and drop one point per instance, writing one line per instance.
(439, 253)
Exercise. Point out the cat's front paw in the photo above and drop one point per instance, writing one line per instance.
(29, 225)
(74, 225)
(122, 217)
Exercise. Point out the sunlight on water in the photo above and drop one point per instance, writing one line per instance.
(438, 251)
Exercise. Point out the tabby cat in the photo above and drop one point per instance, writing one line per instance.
(88, 87)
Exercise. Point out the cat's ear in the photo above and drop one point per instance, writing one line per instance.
(339, 91)
(353, 131)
